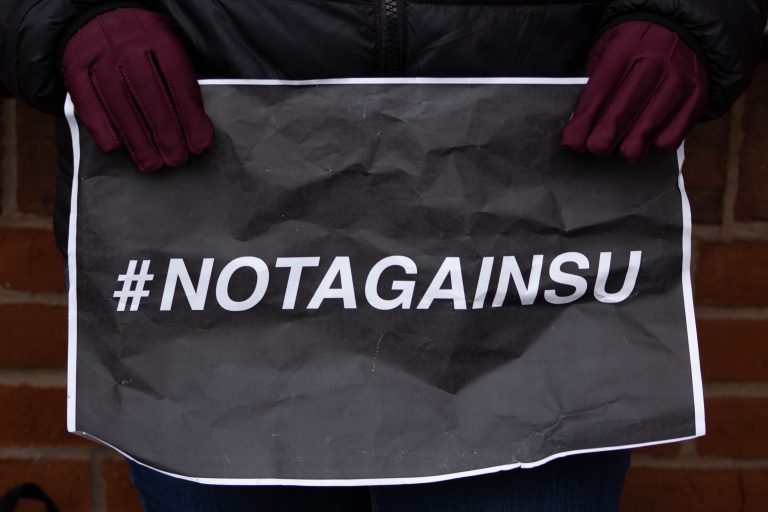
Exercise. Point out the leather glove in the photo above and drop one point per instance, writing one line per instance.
(133, 85)
(646, 89)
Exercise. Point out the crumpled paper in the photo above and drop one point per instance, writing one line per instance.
(433, 180)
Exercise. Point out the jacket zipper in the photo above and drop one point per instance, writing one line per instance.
(391, 30)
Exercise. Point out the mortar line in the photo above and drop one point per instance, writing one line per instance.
(39, 453)
(687, 449)
(26, 220)
(737, 313)
(701, 462)
(14, 297)
(721, 389)
(742, 231)
(34, 377)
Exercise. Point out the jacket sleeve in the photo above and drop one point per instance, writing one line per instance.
(31, 34)
(726, 34)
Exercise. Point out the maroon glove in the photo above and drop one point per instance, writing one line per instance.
(646, 88)
(132, 84)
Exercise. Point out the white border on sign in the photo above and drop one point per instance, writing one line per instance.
(690, 317)
(69, 112)
(401, 81)
(698, 395)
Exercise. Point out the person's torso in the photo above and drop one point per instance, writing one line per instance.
(300, 39)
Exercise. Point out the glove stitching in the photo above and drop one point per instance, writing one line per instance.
(645, 31)
(187, 136)
(166, 97)
(142, 121)
(641, 110)
(95, 83)
(104, 31)
(138, 107)
(608, 107)
(674, 48)
(128, 145)
(99, 107)
(133, 13)
(152, 132)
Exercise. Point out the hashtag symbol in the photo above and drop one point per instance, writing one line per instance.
(135, 293)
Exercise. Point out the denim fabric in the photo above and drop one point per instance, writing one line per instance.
(580, 483)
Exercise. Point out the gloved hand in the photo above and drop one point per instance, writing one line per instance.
(646, 89)
(133, 85)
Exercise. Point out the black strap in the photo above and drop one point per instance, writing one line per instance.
(26, 491)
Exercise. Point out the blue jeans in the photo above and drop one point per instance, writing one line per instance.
(580, 483)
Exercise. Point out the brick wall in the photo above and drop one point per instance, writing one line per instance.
(727, 179)
(34, 445)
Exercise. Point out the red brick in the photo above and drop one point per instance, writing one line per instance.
(122, 496)
(733, 274)
(67, 482)
(706, 205)
(752, 197)
(734, 349)
(676, 490)
(705, 167)
(29, 261)
(659, 450)
(36, 156)
(755, 486)
(33, 336)
(736, 427)
(35, 417)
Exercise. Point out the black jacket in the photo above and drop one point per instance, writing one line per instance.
(298, 39)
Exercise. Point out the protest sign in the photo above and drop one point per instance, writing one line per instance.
(379, 282)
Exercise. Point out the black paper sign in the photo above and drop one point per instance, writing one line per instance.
(380, 281)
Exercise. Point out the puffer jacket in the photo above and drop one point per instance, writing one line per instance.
(300, 39)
